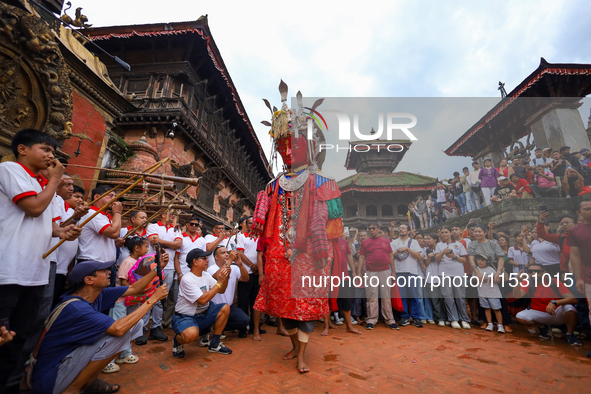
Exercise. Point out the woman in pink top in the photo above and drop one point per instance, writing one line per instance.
(488, 180)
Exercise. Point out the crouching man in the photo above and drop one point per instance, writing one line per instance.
(194, 310)
(82, 339)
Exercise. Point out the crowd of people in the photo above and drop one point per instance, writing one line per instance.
(549, 174)
(77, 312)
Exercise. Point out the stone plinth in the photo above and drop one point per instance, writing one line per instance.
(513, 213)
(561, 127)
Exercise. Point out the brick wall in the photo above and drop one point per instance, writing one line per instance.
(87, 119)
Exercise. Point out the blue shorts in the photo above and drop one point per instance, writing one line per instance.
(202, 321)
(491, 303)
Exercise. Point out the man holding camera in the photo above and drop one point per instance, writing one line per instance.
(543, 184)
(552, 303)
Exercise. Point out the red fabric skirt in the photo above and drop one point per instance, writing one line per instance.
(281, 293)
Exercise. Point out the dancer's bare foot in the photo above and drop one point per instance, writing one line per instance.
(282, 331)
(324, 332)
(293, 353)
(353, 331)
(302, 367)
(256, 336)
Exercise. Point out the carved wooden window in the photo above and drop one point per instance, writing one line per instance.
(371, 210)
(195, 107)
(139, 87)
(351, 211)
(177, 89)
(402, 209)
(387, 210)
(206, 195)
(213, 133)
(204, 119)
(159, 87)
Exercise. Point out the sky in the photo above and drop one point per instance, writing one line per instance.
(398, 49)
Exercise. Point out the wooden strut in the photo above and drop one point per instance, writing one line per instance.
(161, 163)
(158, 212)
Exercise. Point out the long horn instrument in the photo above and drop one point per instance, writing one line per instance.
(152, 168)
(153, 186)
(171, 202)
(179, 179)
(118, 196)
(138, 203)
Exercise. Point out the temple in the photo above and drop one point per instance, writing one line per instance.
(543, 106)
(166, 94)
(375, 192)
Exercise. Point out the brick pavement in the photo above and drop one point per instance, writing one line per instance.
(432, 359)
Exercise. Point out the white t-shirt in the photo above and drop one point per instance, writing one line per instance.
(124, 251)
(488, 289)
(249, 247)
(67, 251)
(188, 245)
(58, 211)
(467, 240)
(228, 296)
(545, 253)
(191, 288)
(409, 264)
(432, 269)
(24, 239)
(519, 256)
(92, 244)
(209, 238)
(543, 160)
(451, 267)
(165, 234)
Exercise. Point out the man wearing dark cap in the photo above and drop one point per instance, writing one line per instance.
(194, 311)
(82, 339)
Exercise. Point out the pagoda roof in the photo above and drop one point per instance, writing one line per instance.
(353, 156)
(396, 181)
(201, 28)
(548, 80)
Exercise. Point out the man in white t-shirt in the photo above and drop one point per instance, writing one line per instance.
(238, 320)
(218, 238)
(407, 253)
(67, 251)
(171, 239)
(26, 229)
(248, 291)
(543, 162)
(191, 240)
(194, 311)
(97, 241)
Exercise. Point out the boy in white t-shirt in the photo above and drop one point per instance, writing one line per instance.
(489, 293)
(26, 229)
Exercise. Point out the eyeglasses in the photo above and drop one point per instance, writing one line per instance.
(193, 224)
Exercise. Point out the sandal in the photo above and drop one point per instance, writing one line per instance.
(111, 368)
(131, 359)
(100, 387)
(508, 329)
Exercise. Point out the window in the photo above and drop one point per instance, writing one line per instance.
(139, 87)
(371, 210)
(159, 87)
(387, 210)
(195, 107)
(206, 195)
(402, 209)
(351, 211)
(177, 89)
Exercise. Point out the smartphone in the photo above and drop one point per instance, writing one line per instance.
(568, 167)
(4, 323)
(477, 220)
(524, 228)
(543, 208)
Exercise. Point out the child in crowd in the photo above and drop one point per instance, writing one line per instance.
(517, 256)
(489, 293)
(138, 247)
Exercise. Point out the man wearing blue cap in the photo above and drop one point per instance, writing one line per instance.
(82, 339)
